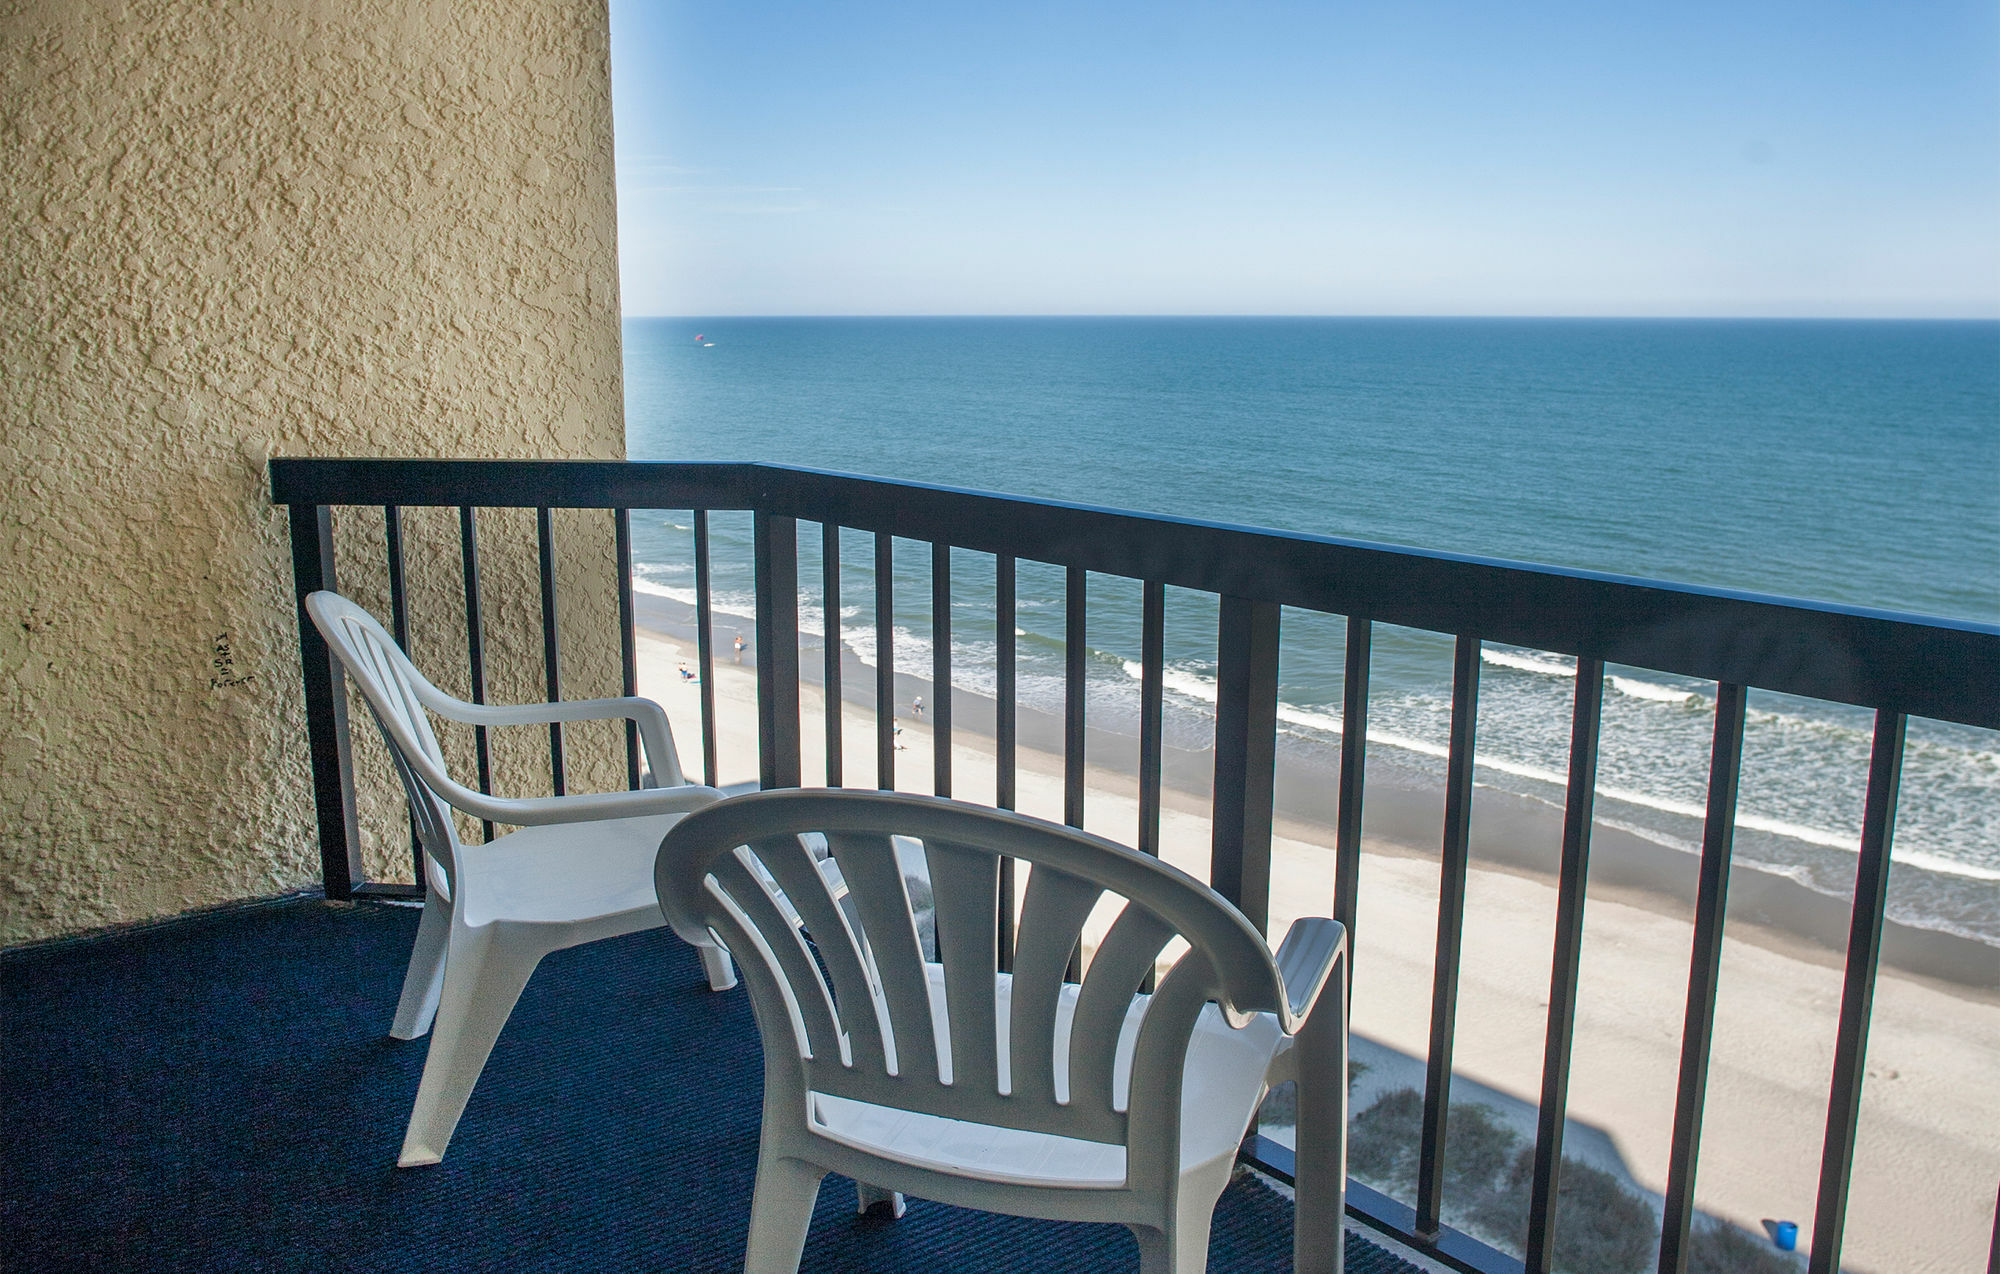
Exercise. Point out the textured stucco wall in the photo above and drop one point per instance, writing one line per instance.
(232, 231)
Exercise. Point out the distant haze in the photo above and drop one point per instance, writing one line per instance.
(1776, 159)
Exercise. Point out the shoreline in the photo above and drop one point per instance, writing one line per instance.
(1510, 833)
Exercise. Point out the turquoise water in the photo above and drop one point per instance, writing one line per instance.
(1852, 462)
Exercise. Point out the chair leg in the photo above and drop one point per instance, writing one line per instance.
(483, 977)
(715, 963)
(1319, 1220)
(425, 979)
(1184, 1250)
(1181, 1245)
(867, 1196)
(780, 1213)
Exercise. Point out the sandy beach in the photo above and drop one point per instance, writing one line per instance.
(1929, 1148)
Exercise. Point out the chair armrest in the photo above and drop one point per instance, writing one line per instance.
(585, 807)
(650, 717)
(1305, 959)
(631, 706)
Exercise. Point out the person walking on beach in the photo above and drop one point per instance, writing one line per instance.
(917, 706)
(739, 648)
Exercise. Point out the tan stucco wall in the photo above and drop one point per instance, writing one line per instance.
(231, 231)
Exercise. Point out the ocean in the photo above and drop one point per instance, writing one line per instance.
(1842, 461)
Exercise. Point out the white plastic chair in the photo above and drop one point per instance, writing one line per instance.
(576, 871)
(1017, 1093)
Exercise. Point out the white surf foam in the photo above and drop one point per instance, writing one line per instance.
(1203, 690)
(913, 657)
(1638, 689)
(1527, 661)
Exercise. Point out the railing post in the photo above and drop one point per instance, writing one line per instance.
(777, 650)
(545, 552)
(1453, 861)
(941, 667)
(1152, 699)
(832, 650)
(1353, 781)
(1005, 719)
(399, 624)
(1718, 838)
(1076, 690)
(885, 661)
(1857, 991)
(475, 649)
(1246, 726)
(628, 638)
(326, 708)
(704, 649)
(1559, 1039)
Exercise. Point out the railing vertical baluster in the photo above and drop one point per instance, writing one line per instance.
(392, 536)
(1559, 1040)
(777, 649)
(1005, 720)
(1450, 932)
(885, 661)
(1075, 689)
(1725, 769)
(941, 668)
(475, 650)
(1353, 780)
(1152, 696)
(545, 551)
(1152, 701)
(1857, 993)
(704, 649)
(1246, 728)
(1004, 738)
(341, 868)
(628, 640)
(829, 540)
(399, 625)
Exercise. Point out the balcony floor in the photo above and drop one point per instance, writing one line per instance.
(219, 1093)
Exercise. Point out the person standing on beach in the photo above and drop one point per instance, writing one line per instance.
(739, 648)
(917, 706)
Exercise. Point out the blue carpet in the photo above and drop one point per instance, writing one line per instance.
(219, 1094)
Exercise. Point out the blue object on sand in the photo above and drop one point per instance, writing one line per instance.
(1786, 1235)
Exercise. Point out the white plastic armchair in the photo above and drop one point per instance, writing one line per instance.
(576, 871)
(1017, 1092)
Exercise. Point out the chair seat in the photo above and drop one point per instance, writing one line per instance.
(565, 872)
(1220, 1093)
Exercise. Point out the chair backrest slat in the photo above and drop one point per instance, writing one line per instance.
(814, 1004)
(1120, 966)
(1157, 1064)
(856, 997)
(875, 878)
(1053, 908)
(965, 883)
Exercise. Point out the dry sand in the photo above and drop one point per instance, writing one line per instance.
(1929, 1151)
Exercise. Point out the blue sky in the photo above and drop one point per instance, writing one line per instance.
(1824, 159)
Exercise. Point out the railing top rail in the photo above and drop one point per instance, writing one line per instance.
(1927, 666)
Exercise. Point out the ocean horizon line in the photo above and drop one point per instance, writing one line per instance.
(1317, 316)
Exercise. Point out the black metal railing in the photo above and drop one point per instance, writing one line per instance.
(1896, 665)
